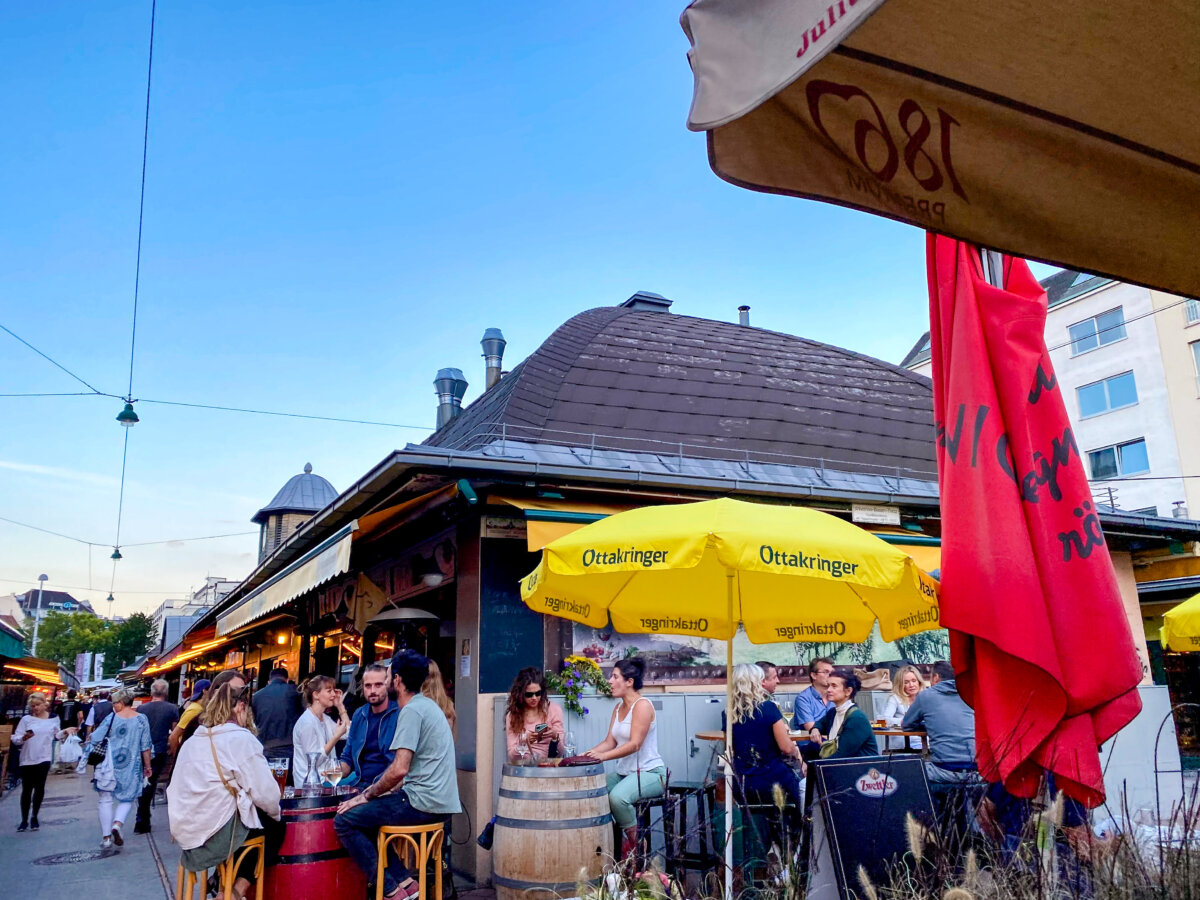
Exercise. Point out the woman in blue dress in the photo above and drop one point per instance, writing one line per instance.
(762, 748)
(119, 778)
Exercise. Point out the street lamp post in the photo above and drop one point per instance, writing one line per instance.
(37, 613)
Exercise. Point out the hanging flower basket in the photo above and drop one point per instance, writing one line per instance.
(579, 675)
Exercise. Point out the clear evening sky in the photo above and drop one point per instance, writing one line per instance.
(340, 198)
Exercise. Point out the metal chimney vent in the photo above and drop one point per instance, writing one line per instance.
(450, 386)
(493, 345)
(743, 315)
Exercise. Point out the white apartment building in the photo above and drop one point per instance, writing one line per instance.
(1132, 415)
(173, 616)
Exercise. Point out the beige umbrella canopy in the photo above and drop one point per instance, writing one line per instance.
(1057, 130)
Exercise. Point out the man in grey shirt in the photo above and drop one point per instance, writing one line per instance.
(950, 723)
(420, 787)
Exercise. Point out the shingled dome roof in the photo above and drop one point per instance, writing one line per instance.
(640, 379)
(305, 493)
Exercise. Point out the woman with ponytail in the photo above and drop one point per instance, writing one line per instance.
(315, 731)
(633, 741)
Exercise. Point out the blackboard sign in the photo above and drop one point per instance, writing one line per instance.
(858, 811)
(510, 633)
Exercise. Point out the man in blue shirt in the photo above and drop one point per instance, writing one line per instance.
(810, 702)
(368, 745)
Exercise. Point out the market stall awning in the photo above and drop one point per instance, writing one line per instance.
(327, 560)
(12, 641)
(377, 523)
(44, 670)
(547, 519)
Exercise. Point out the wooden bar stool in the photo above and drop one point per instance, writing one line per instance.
(186, 879)
(419, 845)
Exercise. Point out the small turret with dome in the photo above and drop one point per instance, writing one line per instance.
(292, 506)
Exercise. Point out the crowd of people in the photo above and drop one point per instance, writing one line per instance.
(394, 743)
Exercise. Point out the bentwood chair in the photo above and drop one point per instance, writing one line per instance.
(418, 845)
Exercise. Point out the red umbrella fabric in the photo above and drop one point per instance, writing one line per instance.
(1038, 634)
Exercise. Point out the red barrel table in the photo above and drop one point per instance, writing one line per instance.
(313, 864)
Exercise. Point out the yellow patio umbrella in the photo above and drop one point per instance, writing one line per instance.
(785, 573)
(1181, 626)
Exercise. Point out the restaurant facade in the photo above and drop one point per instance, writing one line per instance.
(620, 407)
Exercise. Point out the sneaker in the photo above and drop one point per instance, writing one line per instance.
(33, 824)
(23, 826)
(106, 843)
(141, 829)
(116, 836)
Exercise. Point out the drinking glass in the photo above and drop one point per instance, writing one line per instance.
(569, 747)
(279, 768)
(332, 772)
(787, 704)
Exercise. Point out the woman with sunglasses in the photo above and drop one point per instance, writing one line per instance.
(530, 716)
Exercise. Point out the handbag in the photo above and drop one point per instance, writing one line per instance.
(488, 835)
(830, 746)
(99, 750)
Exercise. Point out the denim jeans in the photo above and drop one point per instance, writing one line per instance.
(358, 827)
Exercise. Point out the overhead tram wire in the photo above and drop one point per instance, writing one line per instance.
(137, 282)
(205, 537)
(50, 360)
(287, 415)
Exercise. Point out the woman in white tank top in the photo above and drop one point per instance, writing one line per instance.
(633, 741)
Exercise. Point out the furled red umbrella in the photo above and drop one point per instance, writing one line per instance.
(1054, 130)
(1028, 589)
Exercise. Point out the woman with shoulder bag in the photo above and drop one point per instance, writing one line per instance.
(222, 783)
(845, 731)
(124, 739)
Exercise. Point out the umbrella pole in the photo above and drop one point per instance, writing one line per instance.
(729, 744)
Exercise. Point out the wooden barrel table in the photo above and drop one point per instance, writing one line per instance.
(313, 864)
(553, 830)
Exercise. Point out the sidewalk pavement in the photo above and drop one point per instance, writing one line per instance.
(63, 861)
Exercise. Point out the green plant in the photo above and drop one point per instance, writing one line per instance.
(578, 673)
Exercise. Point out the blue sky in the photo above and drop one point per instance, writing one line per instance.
(340, 198)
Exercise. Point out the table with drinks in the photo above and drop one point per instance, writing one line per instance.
(312, 861)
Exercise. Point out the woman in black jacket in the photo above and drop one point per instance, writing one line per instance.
(845, 723)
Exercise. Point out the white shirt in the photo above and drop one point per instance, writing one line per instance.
(893, 713)
(647, 756)
(37, 749)
(198, 804)
(310, 735)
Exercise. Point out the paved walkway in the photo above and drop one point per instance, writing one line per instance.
(62, 861)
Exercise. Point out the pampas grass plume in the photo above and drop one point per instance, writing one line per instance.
(916, 836)
(958, 893)
(864, 881)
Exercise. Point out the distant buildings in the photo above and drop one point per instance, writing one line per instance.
(36, 606)
(1129, 369)
(174, 616)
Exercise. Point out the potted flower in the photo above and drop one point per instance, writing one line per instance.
(579, 674)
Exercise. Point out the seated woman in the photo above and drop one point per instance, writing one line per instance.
(528, 708)
(315, 732)
(906, 684)
(633, 741)
(761, 748)
(221, 784)
(845, 724)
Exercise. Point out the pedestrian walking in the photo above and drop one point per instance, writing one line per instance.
(162, 716)
(35, 735)
(120, 777)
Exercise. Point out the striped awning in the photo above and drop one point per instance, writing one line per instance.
(327, 560)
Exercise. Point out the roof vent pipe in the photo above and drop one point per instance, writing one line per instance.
(1180, 511)
(450, 386)
(493, 344)
(743, 315)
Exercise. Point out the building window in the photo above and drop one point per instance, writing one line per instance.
(1097, 331)
(1119, 460)
(1109, 394)
(1195, 345)
(1191, 311)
